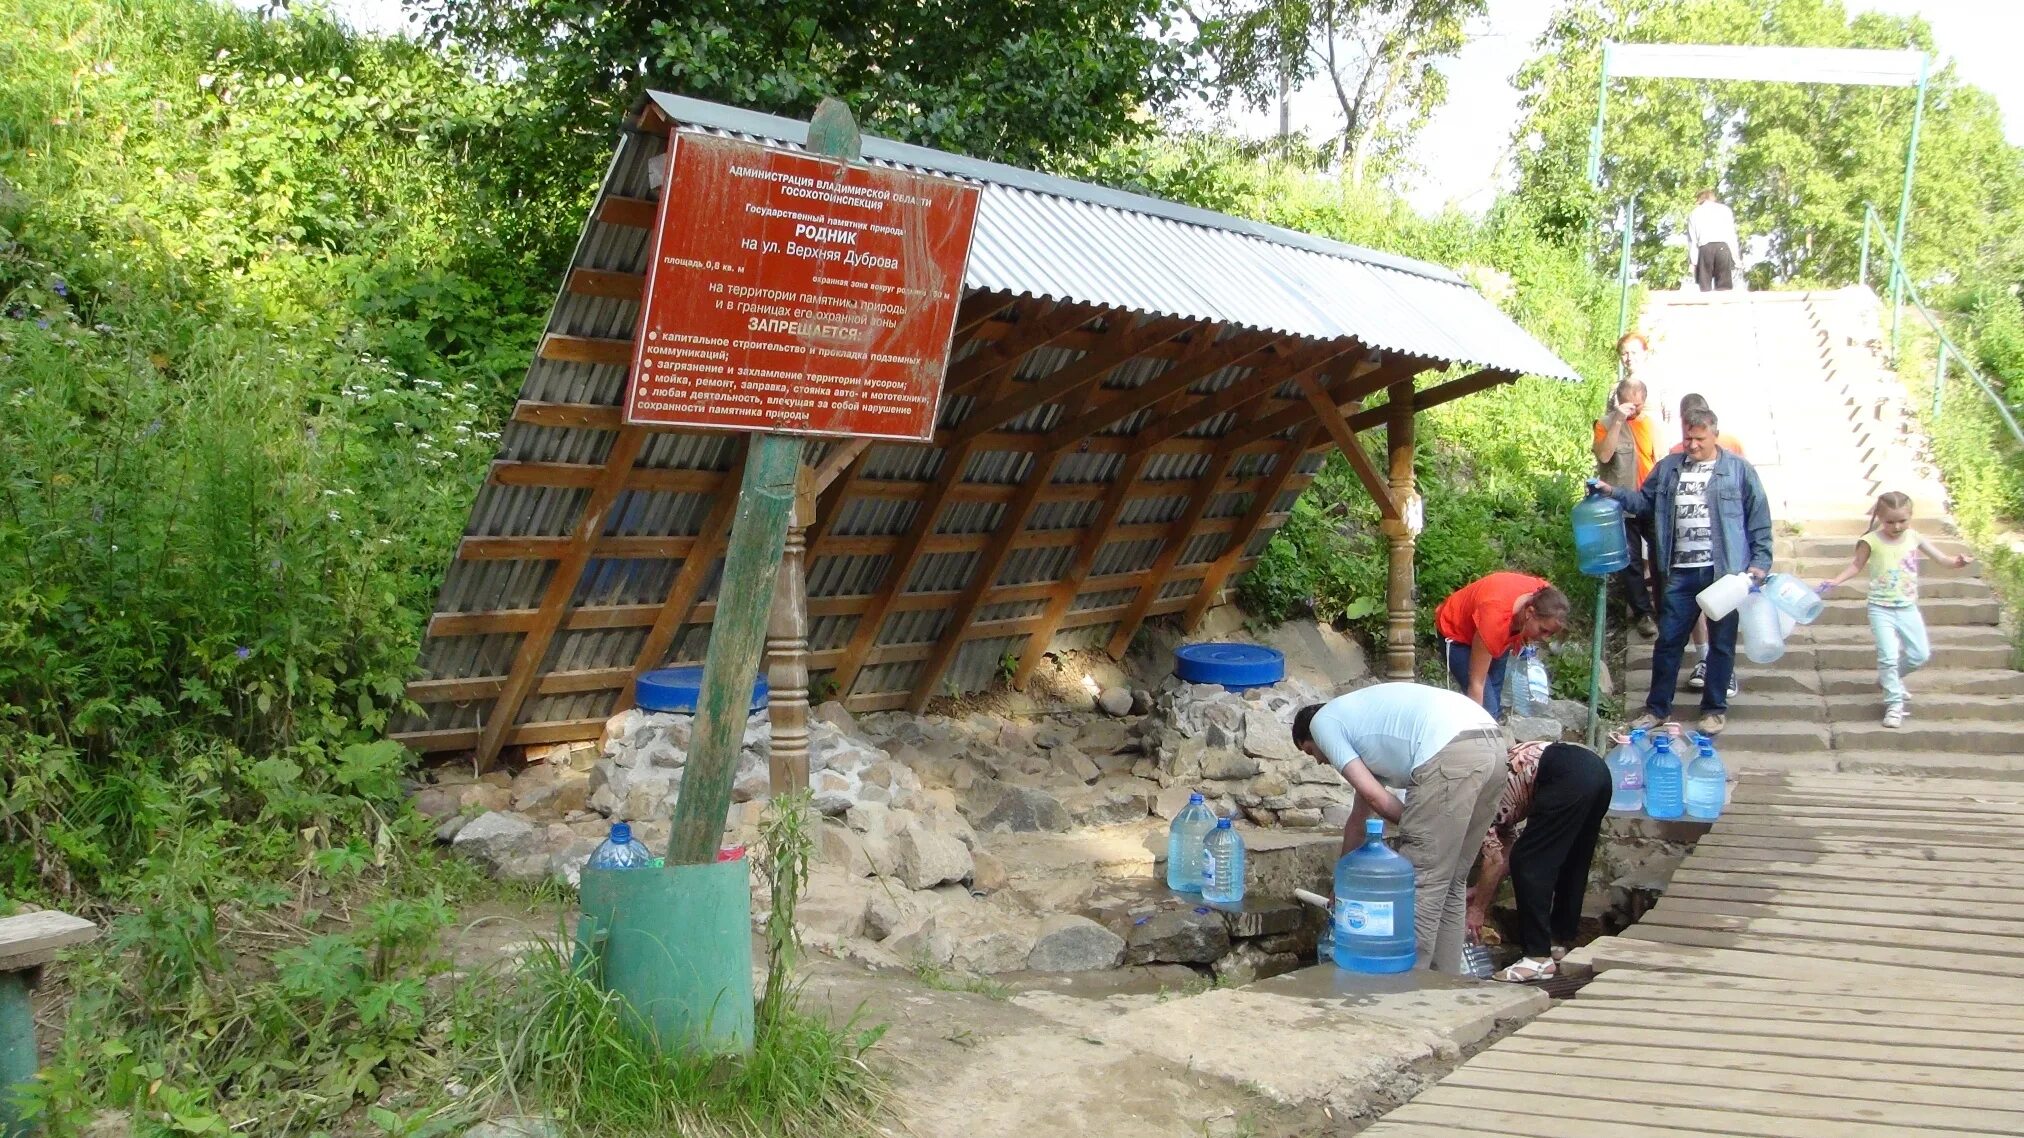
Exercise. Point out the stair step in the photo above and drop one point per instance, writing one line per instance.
(1839, 546)
(1929, 681)
(1937, 613)
(1819, 568)
(1850, 656)
(1754, 706)
(2003, 767)
(1845, 529)
(1772, 737)
(1979, 737)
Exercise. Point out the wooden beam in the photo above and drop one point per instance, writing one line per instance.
(1120, 346)
(1254, 517)
(578, 475)
(1172, 542)
(687, 586)
(1094, 537)
(840, 458)
(1034, 330)
(1433, 397)
(469, 738)
(1401, 595)
(1299, 410)
(1330, 417)
(607, 285)
(634, 213)
(1176, 379)
(1251, 388)
(562, 581)
(557, 548)
(979, 309)
(591, 416)
(597, 350)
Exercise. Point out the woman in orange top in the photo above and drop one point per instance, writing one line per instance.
(1489, 619)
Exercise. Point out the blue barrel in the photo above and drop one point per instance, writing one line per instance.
(677, 689)
(1374, 907)
(1599, 541)
(1235, 666)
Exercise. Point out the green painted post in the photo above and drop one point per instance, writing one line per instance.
(1897, 292)
(1601, 116)
(744, 600)
(17, 1050)
(1595, 662)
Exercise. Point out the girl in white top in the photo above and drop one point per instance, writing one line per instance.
(1890, 553)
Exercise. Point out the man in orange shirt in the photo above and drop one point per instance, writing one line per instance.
(1484, 622)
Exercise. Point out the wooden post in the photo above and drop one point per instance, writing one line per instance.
(28, 943)
(751, 565)
(787, 651)
(1401, 535)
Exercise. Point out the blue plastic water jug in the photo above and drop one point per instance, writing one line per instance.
(1793, 597)
(1599, 542)
(1373, 914)
(1707, 783)
(1627, 775)
(1665, 781)
(1223, 865)
(1184, 845)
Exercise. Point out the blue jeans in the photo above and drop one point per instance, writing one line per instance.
(1901, 649)
(1493, 687)
(1677, 614)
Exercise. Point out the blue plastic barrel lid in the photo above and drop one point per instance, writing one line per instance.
(1232, 665)
(677, 689)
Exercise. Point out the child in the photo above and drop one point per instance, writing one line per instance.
(1890, 552)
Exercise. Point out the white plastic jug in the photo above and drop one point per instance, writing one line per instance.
(1763, 630)
(1721, 598)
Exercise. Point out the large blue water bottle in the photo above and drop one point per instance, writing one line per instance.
(1599, 542)
(1627, 775)
(1223, 865)
(1707, 783)
(1665, 781)
(1373, 915)
(1184, 845)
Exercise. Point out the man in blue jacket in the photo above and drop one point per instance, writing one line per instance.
(1711, 519)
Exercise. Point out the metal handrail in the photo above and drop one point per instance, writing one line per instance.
(1902, 286)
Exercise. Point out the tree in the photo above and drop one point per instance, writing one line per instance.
(1379, 58)
(1025, 83)
(1796, 161)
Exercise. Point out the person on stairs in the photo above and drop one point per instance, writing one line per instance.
(1712, 520)
(1450, 753)
(1487, 621)
(1890, 552)
(1712, 244)
(1698, 678)
(1626, 449)
(1560, 791)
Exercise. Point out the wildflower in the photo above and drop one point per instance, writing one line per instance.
(42, 323)
(61, 288)
(154, 428)
(242, 652)
(335, 516)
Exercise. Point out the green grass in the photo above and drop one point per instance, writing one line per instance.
(944, 979)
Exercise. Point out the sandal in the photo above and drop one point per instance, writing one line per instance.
(1528, 970)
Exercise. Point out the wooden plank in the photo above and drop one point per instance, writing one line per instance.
(1331, 420)
(1967, 1066)
(1092, 540)
(1637, 1085)
(581, 416)
(687, 587)
(1040, 322)
(558, 548)
(1966, 832)
(1119, 346)
(1838, 932)
(1910, 1042)
(978, 309)
(594, 350)
(1231, 352)
(1171, 545)
(1241, 395)
(1825, 1023)
(1932, 959)
(1889, 913)
(607, 285)
(1754, 994)
(1972, 894)
(1847, 976)
(1950, 1083)
(1519, 1125)
(1897, 902)
(1262, 502)
(634, 213)
(577, 475)
(1790, 845)
(1847, 868)
(31, 940)
(467, 738)
(1857, 1081)
(562, 580)
(1261, 430)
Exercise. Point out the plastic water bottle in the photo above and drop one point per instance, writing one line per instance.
(1793, 597)
(1538, 684)
(1223, 865)
(1324, 945)
(1600, 545)
(619, 851)
(1373, 914)
(1627, 775)
(1665, 781)
(1707, 783)
(1184, 845)
(1526, 688)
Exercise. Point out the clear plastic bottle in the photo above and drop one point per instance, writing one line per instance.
(1526, 686)
(619, 851)
(1223, 865)
(1665, 781)
(1184, 845)
(1373, 914)
(1627, 775)
(1707, 783)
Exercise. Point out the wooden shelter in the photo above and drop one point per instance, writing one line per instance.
(1138, 390)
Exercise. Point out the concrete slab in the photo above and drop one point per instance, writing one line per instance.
(1461, 1010)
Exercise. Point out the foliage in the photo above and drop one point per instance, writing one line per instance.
(1796, 161)
(1019, 83)
(1380, 59)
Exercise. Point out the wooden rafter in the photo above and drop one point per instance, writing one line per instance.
(979, 309)
(562, 582)
(1219, 570)
(1314, 360)
(1330, 417)
(1299, 411)
(1171, 544)
(1120, 346)
(1093, 539)
(1176, 379)
(1038, 326)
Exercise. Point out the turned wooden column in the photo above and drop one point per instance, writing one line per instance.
(1401, 535)
(787, 650)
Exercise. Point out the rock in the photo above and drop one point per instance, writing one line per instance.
(1068, 943)
(1171, 801)
(867, 817)
(1266, 737)
(620, 729)
(450, 827)
(1262, 815)
(1020, 809)
(484, 798)
(836, 715)
(1114, 701)
(984, 942)
(1248, 963)
(566, 862)
(1141, 702)
(1015, 736)
(1050, 735)
(1113, 802)
(1534, 729)
(1571, 714)
(1226, 764)
(517, 1126)
(924, 858)
(1336, 817)
(1268, 785)
(1179, 936)
(436, 803)
(496, 838)
(887, 912)
(1103, 737)
(988, 873)
(753, 779)
(1300, 818)
(648, 793)
(1314, 773)
(842, 848)
(834, 791)
(1076, 765)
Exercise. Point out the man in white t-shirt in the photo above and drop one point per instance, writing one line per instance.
(1713, 249)
(1450, 753)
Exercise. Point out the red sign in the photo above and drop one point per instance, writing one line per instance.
(789, 292)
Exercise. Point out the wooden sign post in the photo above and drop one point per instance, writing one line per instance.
(787, 294)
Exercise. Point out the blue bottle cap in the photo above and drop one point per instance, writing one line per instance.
(1222, 823)
(621, 833)
(1374, 827)
(1194, 800)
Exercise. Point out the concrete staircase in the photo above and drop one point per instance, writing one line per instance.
(1797, 378)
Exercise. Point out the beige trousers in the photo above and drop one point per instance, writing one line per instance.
(1453, 800)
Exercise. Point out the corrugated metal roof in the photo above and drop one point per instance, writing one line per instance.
(1059, 239)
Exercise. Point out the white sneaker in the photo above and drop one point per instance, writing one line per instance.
(1894, 717)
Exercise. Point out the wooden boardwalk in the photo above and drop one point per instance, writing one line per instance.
(1841, 957)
